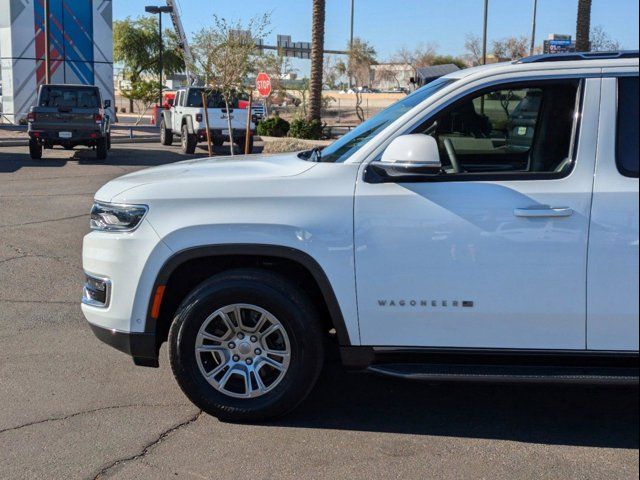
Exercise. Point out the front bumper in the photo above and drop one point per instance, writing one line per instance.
(141, 346)
(130, 262)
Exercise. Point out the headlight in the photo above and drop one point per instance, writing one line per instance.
(116, 218)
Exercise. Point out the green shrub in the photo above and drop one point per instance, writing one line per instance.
(273, 127)
(310, 130)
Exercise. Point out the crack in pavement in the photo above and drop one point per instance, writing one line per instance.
(147, 448)
(54, 302)
(43, 221)
(27, 195)
(86, 412)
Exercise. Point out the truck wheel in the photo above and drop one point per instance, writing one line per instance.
(35, 149)
(109, 141)
(250, 144)
(187, 140)
(166, 135)
(101, 149)
(218, 141)
(246, 345)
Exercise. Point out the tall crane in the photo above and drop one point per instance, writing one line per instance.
(184, 44)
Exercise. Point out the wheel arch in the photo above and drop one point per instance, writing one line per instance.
(204, 261)
(188, 121)
(166, 116)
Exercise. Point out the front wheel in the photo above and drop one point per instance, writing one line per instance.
(246, 345)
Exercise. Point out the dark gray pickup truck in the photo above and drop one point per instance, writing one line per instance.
(69, 115)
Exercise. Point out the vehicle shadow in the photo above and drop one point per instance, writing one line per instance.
(134, 155)
(595, 416)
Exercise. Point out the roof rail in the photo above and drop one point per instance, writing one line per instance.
(566, 57)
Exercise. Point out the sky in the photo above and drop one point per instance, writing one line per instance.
(392, 24)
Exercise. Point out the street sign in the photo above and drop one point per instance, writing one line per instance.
(263, 84)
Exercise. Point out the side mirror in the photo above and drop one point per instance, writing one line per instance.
(415, 154)
(107, 103)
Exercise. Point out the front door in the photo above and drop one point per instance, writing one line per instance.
(491, 253)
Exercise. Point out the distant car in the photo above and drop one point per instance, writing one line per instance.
(69, 115)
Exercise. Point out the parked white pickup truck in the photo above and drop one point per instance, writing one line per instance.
(186, 119)
(483, 228)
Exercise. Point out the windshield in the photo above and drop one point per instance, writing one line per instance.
(347, 145)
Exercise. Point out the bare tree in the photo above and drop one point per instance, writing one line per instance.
(583, 25)
(224, 54)
(317, 61)
(421, 56)
(330, 74)
(511, 48)
(387, 73)
(473, 46)
(602, 42)
(361, 55)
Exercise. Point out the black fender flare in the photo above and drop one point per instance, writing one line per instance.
(277, 251)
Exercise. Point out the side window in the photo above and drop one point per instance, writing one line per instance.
(514, 129)
(627, 152)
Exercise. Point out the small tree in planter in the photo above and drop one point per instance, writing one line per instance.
(361, 55)
(223, 54)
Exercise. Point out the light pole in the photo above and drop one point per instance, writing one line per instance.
(159, 11)
(351, 37)
(533, 27)
(484, 32)
(47, 46)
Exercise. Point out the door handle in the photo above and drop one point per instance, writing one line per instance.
(538, 212)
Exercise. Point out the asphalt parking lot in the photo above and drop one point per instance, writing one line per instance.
(71, 407)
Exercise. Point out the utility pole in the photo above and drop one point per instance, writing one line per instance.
(351, 37)
(484, 32)
(351, 29)
(533, 27)
(47, 46)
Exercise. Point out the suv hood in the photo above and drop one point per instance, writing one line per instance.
(189, 174)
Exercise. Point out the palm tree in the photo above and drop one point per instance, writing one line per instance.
(317, 59)
(583, 25)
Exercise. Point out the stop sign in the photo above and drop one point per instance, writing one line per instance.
(263, 84)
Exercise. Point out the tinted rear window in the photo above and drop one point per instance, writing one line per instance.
(627, 151)
(69, 97)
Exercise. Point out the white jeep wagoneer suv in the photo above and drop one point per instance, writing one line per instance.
(484, 227)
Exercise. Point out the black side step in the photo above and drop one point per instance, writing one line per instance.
(509, 373)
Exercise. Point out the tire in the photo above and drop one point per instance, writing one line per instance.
(187, 140)
(68, 147)
(240, 143)
(255, 290)
(166, 135)
(35, 149)
(218, 141)
(109, 141)
(101, 149)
